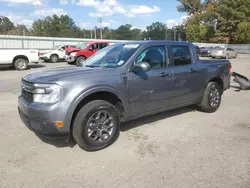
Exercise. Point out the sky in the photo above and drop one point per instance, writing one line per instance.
(86, 13)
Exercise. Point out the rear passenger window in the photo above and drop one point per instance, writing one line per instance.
(181, 55)
(102, 45)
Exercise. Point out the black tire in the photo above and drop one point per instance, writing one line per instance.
(54, 58)
(206, 105)
(213, 57)
(83, 117)
(71, 63)
(227, 56)
(80, 60)
(21, 64)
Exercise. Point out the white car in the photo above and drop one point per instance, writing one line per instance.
(54, 54)
(19, 58)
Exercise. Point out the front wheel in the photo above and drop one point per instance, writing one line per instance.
(80, 60)
(212, 98)
(21, 64)
(96, 126)
(54, 58)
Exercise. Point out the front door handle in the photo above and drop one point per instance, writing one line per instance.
(192, 71)
(164, 74)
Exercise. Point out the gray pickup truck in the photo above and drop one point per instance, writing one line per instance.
(121, 82)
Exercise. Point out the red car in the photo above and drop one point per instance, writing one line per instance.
(83, 51)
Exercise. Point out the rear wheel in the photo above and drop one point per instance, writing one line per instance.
(96, 126)
(21, 64)
(212, 98)
(213, 57)
(53, 58)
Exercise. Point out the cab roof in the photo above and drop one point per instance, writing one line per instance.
(158, 42)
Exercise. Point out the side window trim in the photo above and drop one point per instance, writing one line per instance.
(172, 55)
(150, 46)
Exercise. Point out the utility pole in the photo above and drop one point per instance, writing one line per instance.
(95, 31)
(174, 35)
(100, 21)
(166, 33)
(91, 33)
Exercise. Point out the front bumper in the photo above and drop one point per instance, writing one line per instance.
(70, 58)
(41, 119)
(44, 58)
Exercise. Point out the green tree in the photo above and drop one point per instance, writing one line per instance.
(123, 32)
(19, 30)
(6, 25)
(230, 13)
(191, 6)
(157, 31)
(243, 33)
(197, 31)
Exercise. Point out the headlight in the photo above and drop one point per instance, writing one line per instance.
(49, 94)
(73, 53)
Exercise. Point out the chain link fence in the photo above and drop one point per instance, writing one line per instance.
(28, 42)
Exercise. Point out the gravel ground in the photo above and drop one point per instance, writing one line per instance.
(180, 149)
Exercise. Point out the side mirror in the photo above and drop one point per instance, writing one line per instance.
(141, 67)
(90, 49)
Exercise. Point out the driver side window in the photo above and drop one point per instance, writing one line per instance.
(155, 56)
(94, 47)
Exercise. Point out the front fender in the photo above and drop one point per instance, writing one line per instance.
(78, 98)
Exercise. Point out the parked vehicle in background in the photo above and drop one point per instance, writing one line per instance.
(122, 82)
(55, 54)
(206, 51)
(82, 52)
(198, 50)
(223, 53)
(19, 58)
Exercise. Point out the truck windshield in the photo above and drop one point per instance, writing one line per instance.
(55, 47)
(112, 56)
(82, 46)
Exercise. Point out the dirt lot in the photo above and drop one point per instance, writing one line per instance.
(180, 149)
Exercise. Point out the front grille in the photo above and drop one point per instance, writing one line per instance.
(27, 96)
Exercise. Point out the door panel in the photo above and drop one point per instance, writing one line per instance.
(149, 90)
(188, 84)
(188, 80)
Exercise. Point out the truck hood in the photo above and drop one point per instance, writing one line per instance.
(72, 49)
(64, 73)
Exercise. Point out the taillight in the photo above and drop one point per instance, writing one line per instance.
(38, 54)
(230, 69)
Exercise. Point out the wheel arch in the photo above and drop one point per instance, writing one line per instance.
(54, 54)
(217, 80)
(82, 56)
(107, 94)
(20, 56)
